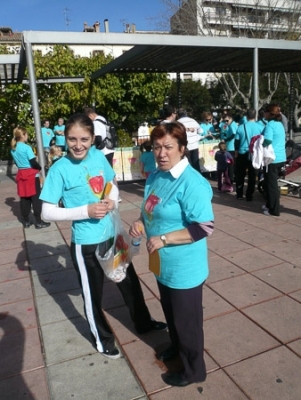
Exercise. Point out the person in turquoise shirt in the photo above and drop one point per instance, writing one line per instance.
(59, 131)
(274, 134)
(243, 161)
(177, 217)
(208, 131)
(28, 179)
(79, 180)
(147, 159)
(227, 133)
(47, 136)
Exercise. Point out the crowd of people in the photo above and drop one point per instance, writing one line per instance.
(236, 134)
(176, 212)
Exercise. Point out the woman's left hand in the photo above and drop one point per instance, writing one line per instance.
(110, 204)
(154, 243)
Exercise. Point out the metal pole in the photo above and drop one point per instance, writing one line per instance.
(292, 103)
(35, 106)
(255, 80)
(179, 91)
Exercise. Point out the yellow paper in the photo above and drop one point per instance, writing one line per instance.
(154, 263)
(107, 190)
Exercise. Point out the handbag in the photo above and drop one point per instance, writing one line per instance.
(114, 254)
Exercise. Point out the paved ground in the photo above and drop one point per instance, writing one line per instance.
(252, 305)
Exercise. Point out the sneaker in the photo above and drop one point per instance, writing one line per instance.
(119, 200)
(153, 326)
(27, 225)
(266, 212)
(43, 224)
(264, 208)
(239, 197)
(112, 354)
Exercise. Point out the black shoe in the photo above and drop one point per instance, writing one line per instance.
(112, 354)
(169, 354)
(239, 197)
(175, 379)
(249, 198)
(27, 225)
(43, 224)
(153, 326)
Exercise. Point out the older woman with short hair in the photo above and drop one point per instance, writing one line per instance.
(177, 217)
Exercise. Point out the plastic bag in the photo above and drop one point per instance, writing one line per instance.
(114, 254)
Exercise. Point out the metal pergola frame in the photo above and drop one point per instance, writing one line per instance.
(158, 53)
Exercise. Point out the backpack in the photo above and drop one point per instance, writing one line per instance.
(110, 142)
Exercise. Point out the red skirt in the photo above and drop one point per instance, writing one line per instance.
(26, 186)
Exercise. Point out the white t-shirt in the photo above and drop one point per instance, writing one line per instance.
(193, 131)
(100, 130)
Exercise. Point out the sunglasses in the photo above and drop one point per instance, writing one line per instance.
(208, 119)
(226, 120)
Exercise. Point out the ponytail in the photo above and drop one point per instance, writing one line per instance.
(18, 133)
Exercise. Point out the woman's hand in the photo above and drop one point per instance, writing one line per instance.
(154, 243)
(137, 228)
(110, 203)
(99, 210)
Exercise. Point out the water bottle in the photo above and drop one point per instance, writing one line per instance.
(135, 245)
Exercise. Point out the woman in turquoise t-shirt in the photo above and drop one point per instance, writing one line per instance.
(177, 217)
(147, 159)
(79, 179)
(274, 134)
(28, 178)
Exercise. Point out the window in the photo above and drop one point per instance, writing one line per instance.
(187, 77)
(97, 52)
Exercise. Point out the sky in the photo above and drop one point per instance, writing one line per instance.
(70, 15)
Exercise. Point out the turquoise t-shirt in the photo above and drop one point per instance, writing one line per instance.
(207, 129)
(59, 139)
(148, 160)
(171, 204)
(245, 133)
(275, 132)
(47, 135)
(22, 154)
(232, 128)
(77, 183)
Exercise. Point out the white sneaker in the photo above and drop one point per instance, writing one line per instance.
(264, 208)
(119, 200)
(266, 212)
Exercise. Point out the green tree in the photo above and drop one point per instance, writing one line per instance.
(195, 97)
(125, 99)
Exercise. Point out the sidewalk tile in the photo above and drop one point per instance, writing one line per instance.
(269, 376)
(93, 377)
(281, 317)
(233, 337)
(218, 386)
(253, 259)
(20, 351)
(274, 277)
(18, 315)
(244, 290)
(17, 290)
(30, 385)
(66, 340)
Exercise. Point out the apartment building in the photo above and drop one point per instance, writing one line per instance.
(268, 19)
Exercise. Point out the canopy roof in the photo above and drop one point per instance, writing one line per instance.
(165, 53)
(207, 54)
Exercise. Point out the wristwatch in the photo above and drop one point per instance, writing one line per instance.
(163, 238)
